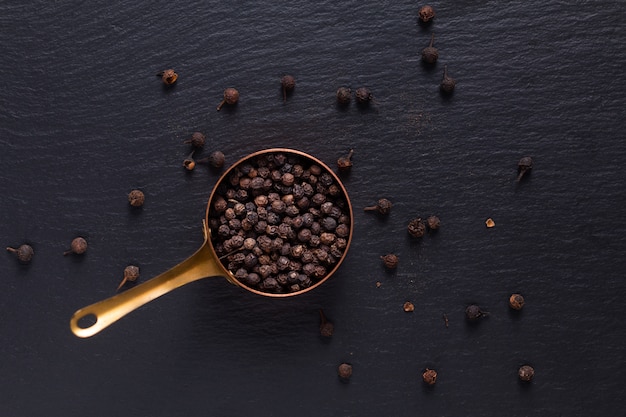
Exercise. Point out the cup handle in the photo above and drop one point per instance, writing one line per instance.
(202, 264)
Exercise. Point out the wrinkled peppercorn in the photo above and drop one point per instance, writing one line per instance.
(433, 222)
(344, 95)
(136, 198)
(516, 301)
(382, 206)
(429, 376)
(526, 373)
(197, 140)
(78, 246)
(363, 95)
(430, 54)
(426, 13)
(416, 227)
(345, 162)
(231, 97)
(131, 274)
(473, 312)
(326, 326)
(390, 260)
(288, 83)
(24, 253)
(345, 371)
(447, 83)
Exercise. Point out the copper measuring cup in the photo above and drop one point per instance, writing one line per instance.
(204, 263)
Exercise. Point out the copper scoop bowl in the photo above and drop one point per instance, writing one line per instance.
(206, 262)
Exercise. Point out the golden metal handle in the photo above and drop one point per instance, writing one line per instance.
(201, 264)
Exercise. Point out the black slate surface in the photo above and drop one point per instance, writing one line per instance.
(83, 120)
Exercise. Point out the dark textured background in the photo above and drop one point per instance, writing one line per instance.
(83, 120)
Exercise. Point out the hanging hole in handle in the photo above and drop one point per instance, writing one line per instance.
(87, 321)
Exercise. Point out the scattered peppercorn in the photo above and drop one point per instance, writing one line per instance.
(447, 83)
(136, 198)
(516, 301)
(231, 97)
(490, 223)
(131, 274)
(216, 160)
(408, 307)
(168, 76)
(426, 13)
(390, 260)
(78, 246)
(189, 162)
(363, 95)
(430, 54)
(345, 162)
(197, 140)
(433, 222)
(288, 83)
(429, 376)
(526, 373)
(473, 312)
(345, 371)
(416, 227)
(524, 165)
(344, 95)
(382, 206)
(23, 252)
(326, 326)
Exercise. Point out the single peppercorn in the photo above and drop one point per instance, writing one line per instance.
(382, 206)
(197, 140)
(131, 274)
(390, 260)
(345, 162)
(217, 160)
(408, 307)
(416, 227)
(231, 97)
(430, 54)
(433, 222)
(78, 246)
(345, 371)
(326, 326)
(136, 198)
(168, 76)
(288, 83)
(447, 83)
(23, 252)
(363, 95)
(473, 312)
(344, 95)
(426, 13)
(523, 166)
(429, 376)
(516, 301)
(526, 373)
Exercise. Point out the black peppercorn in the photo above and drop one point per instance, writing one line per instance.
(326, 326)
(447, 83)
(197, 140)
(344, 95)
(288, 83)
(426, 13)
(473, 312)
(430, 53)
(363, 95)
(78, 246)
(345, 371)
(345, 162)
(526, 373)
(136, 198)
(433, 222)
(168, 76)
(390, 260)
(131, 274)
(23, 252)
(382, 206)
(416, 227)
(231, 97)
(429, 376)
(524, 165)
(216, 160)
(516, 301)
